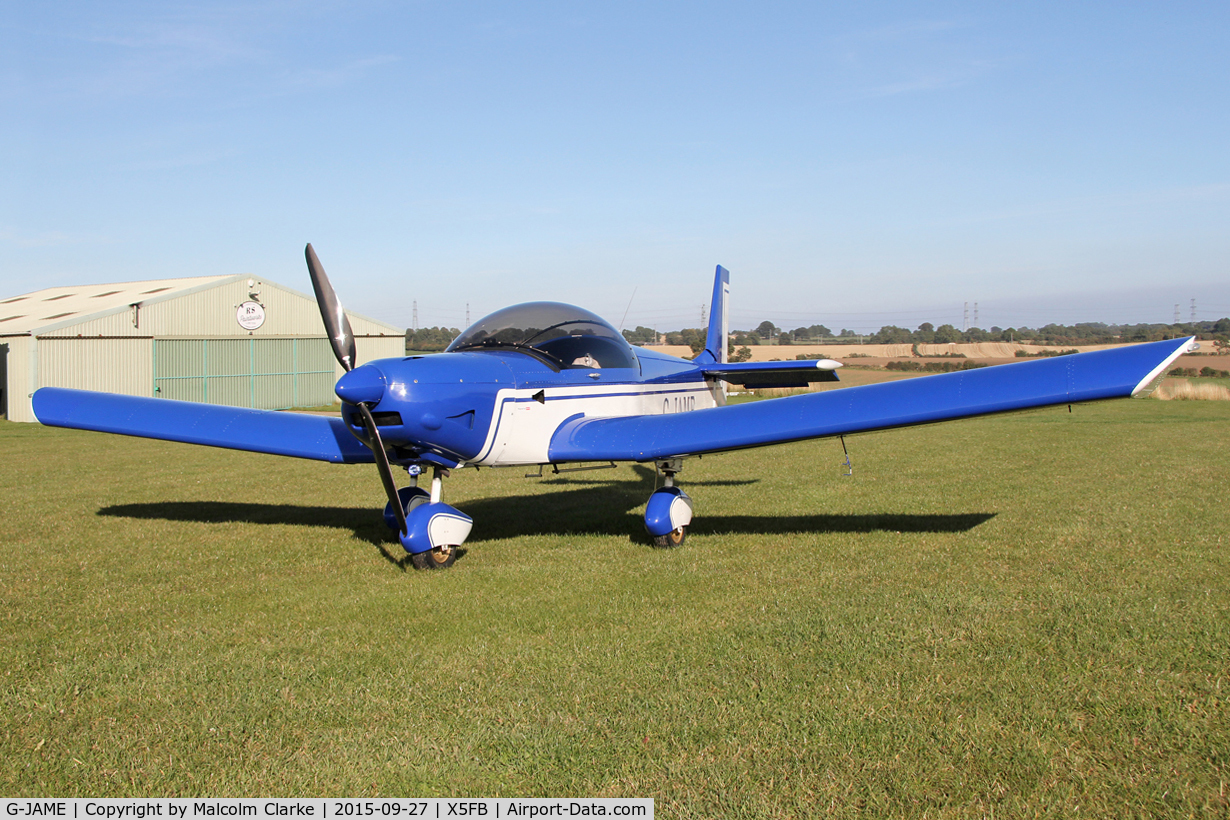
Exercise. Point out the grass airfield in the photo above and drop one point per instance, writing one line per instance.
(1013, 616)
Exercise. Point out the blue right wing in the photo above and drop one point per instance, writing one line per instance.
(1103, 374)
(323, 438)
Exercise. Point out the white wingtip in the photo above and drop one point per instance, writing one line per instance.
(1149, 383)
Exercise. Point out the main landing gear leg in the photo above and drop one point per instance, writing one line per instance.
(434, 530)
(669, 511)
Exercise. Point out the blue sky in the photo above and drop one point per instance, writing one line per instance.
(851, 164)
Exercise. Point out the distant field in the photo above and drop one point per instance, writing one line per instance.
(980, 350)
(1012, 616)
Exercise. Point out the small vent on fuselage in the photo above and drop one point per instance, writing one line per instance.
(465, 419)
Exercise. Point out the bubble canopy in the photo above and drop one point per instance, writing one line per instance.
(565, 335)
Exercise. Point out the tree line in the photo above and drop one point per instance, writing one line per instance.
(430, 339)
(1082, 333)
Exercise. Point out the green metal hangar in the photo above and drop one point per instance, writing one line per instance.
(233, 340)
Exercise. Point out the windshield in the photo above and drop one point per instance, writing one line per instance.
(567, 335)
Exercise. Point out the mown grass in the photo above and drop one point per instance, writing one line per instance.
(1012, 616)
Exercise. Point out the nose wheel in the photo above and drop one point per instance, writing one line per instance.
(434, 531)
(434, 558)
(672, 539)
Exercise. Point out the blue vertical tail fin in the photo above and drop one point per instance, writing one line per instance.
(719, 319)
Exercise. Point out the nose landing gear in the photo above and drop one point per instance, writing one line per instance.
(669, 511)
(434, 530)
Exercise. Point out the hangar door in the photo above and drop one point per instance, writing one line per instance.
(269, 374)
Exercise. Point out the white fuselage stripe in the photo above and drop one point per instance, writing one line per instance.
(522, 427)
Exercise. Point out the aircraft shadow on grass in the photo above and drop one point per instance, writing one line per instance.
(597, 505)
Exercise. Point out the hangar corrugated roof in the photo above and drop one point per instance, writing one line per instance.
(52, 308)
(32, 312)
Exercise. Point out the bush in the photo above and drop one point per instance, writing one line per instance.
(914, 349)
(933, 367)
(1204, 372)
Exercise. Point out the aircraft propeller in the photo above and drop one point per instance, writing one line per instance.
(361, 389)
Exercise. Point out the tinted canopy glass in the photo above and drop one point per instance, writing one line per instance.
(565, 334)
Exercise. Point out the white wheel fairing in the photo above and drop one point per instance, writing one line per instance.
(448, 530)
(433, 525)
(681, 511)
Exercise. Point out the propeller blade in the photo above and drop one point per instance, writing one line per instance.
(341, 337)
(382, 464)
(336, 323)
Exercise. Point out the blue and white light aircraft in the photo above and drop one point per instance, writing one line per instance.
(550, 384)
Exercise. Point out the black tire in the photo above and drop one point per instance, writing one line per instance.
(672, 539)
(440, 558)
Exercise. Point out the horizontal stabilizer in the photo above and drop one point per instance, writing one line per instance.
(755, 375)
(322, 438)
(1103, 374)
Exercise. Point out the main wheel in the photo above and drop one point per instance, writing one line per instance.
(437, 558)
(674, 538)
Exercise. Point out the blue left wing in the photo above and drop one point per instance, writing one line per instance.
(1103, 374)
(322, 438)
